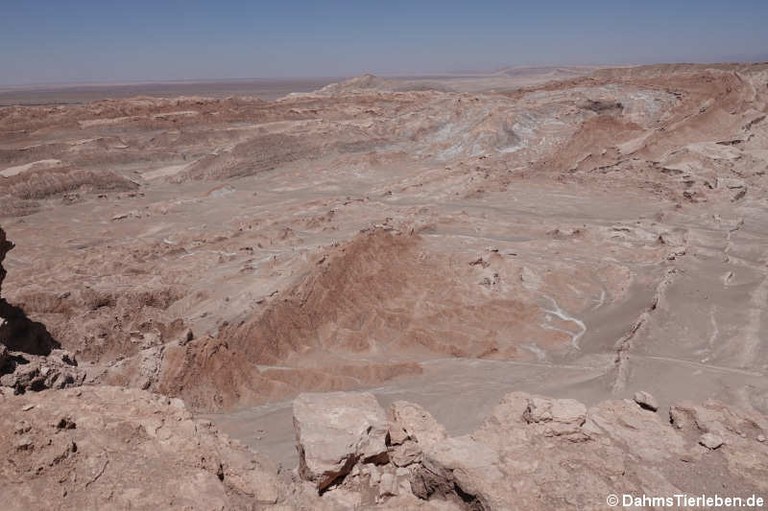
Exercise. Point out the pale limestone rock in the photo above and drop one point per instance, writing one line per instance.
(410, 421)
(335, 431)
(405, 454)
(459, 463)
(711, 441)
(541, 454)
(388, 486)
(560, 416)
(646, 401)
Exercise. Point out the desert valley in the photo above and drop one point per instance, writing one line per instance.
(445, 292)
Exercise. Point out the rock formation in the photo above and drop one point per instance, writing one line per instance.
(5, 246)
(97, 447)
(112, 448)
(341, 238)
(535, 453)
(29, 358)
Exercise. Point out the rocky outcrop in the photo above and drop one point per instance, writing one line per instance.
(109, 447)
(540, 453)
(23, 372)
(5, 246)
(113, 448)
(29, 356)
(17, 332)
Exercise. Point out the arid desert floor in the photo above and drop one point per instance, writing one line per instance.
(578, 233)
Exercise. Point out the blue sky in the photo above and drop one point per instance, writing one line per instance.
(56, 41)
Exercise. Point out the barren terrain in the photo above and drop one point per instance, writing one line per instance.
(573, 232)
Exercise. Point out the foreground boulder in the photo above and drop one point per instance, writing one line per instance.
(113, 448)
(336, 431)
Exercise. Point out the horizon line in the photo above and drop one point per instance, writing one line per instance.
(458, 73)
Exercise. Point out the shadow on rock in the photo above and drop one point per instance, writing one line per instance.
(19, 333)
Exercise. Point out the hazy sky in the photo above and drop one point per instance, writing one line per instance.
(105, 40)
